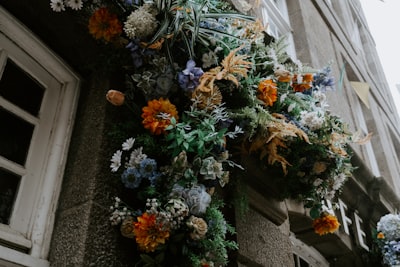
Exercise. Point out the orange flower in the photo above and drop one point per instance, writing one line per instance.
(283, 76)
(115, 97)
(327, 223)
(148, 233)
(305, 84)
(267, 92)
(157, 115)
(104, 25)
(380, 235)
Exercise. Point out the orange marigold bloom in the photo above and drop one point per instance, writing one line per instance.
(380, 235)
(157, 115)
(104, 25)
(327, 223)
(267, 92)
(305, 84)
(148, 233)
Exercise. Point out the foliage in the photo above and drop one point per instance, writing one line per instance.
(207, 86)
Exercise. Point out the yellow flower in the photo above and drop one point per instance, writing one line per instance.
(380, 235)
(115, 97)
(148, 233)
(157, 115)
(104, 25)
(326, 223)
(267, 92)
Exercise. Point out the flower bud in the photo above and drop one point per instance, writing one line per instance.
(115, 97)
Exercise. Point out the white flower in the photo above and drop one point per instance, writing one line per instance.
(57, 5)
(136, 157)
(314, 120)
(116, 161)
(140, 23)
(75, 4)
(389, 225)
(128, 144)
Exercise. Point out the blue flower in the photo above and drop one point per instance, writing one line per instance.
(131, 178)
(137, 53)
(148, 169)
(188, 79)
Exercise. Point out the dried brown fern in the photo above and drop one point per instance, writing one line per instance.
(276, 135)
(231, 67)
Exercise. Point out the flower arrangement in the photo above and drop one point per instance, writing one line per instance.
(208, 90)
(388, 238)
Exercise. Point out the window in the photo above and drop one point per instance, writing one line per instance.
(274, 13)
(38, 98)
(306, 256)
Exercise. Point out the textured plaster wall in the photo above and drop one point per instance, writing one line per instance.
(262, 243)
(83, 235)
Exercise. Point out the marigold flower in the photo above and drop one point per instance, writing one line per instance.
(380, 235)
(115, 97)
(104, 25)
(283, 75)
(149, 234)
(303, 83)
(267, 92)
(327, 223)
(157, 115)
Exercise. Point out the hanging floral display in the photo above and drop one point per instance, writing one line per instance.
(210, 92)
(388, 238)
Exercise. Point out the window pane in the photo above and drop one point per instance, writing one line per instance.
(19, 88)
(15, 137)
(8, 190)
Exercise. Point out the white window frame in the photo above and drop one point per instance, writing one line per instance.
(357, 109)
(36, 239)
(275, 14)
(309, 254)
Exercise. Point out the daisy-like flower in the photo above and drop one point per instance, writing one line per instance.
(157, 115)
(136, 157)
(267, 92)
(326, 223)
(104, 25)
(127, 145)
(116, 161)
(148, 233)
(57, 5)
(75, 4)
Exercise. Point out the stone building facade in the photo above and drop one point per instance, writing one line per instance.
(61, 217)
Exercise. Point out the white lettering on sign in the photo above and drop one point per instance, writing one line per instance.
(360, 233)
(346, 222)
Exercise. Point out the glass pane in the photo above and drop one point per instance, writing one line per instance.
(19, 88)
(9, 183)
(15, 137)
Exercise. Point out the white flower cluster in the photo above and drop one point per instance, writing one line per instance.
(313, 120)
(389, 225)
(141, 23)
(59, 5)
(119, 212)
